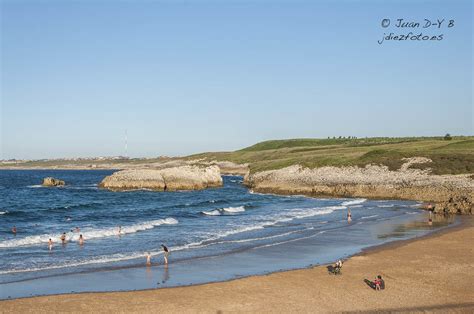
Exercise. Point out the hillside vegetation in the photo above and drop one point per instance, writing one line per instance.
(455, 156)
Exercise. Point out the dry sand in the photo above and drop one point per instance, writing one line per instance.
(430, 274)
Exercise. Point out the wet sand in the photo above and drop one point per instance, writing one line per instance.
(429, 274)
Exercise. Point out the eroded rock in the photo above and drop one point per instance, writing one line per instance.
(168, 179)
(50, 181)
(449, 193)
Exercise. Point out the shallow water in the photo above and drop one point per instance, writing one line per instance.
(216, 234)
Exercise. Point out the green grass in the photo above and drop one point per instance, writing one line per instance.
(449, 157)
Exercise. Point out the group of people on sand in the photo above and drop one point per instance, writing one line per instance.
(63, 239)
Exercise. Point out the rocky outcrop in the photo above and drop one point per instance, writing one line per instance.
(50, 181)
(168, 179)
(449, 193)
(231, 168)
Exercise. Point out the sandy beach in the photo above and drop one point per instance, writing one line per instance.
(429, 274)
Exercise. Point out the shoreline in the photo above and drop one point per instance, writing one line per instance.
(464, 226)
(395, 243)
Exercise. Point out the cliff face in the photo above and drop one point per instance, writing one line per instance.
(451, 194)
(168, 179)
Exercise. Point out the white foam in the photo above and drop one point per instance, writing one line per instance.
(88, 234)
(368, 217)
(280, 195)
(138, 190)
(386, 206)
(4, 212)
(234, 209)
(354, 202)
(288, 241)
(35, 186)
(214, 212)
(288, 216)
(262, 238)
(310, 212)
(218, 212)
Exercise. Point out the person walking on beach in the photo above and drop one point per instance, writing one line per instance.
(63, 238)
(14, 230)
(166, 253)
(81, 240)
(349, 215)
(148, 259)
(50, 244)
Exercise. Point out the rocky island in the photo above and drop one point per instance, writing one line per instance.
(49, 181)
(167, 179)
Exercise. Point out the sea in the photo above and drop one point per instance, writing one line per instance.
(216, 234)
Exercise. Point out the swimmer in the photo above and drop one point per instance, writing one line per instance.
(119, 230)
(77, 229)
(166, 253)
(50, 244)
(349, 215)
(63, 238)
(148, 259)
(14, 230)
(81, 240)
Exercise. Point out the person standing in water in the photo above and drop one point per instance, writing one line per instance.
(14, 230)
(50, 244)
(119, 230)
(81, 240)
(430, 220)
(148, 259)
(166, 253)
(63, 238)
(349, 215)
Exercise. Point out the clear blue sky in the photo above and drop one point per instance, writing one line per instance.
(192, 76)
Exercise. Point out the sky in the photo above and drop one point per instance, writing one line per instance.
(182, 77)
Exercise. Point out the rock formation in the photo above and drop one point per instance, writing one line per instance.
(49, 181)
(228, 167)
(449, 193)
(168, 179)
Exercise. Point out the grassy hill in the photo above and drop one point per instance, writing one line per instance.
(453, 156)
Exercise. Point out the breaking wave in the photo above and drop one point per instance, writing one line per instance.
(218, 212)
(88, 234)
(354, 202)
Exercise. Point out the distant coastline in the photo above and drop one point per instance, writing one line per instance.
(438, 170)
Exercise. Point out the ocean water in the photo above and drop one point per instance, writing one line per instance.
(253, 233)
